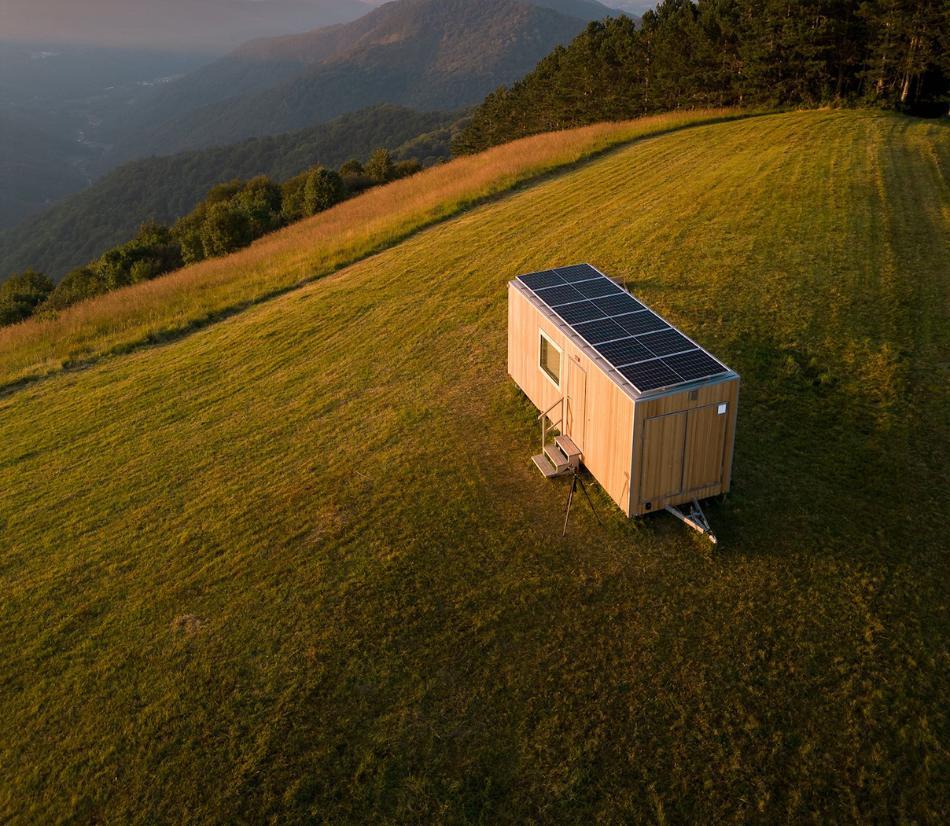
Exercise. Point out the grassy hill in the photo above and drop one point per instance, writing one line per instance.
(297, 565)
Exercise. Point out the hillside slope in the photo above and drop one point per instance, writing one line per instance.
(82, 226)
(302, 551)
(426, 54)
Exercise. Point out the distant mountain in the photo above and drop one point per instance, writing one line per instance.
(186, 25)
(635, 8)
(79, 228)
(427, 54)
(584, 9)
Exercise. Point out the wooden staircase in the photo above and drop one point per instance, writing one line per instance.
(560, 457)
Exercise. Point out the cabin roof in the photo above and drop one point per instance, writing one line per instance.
(636, 347)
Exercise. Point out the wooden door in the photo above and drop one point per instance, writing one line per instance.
(662, 452)
(705, 445)
(576, 414)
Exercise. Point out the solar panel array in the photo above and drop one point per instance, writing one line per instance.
(638, 344)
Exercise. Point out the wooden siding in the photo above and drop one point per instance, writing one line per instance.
(605, 427)
(705, 456)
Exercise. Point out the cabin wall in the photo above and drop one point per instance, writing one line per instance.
(682, 447)
(605, 434)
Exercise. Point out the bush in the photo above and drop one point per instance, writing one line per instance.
(21, 294)
(380, 166)
(351, 167)
(292, 191)
(323, 189)
(187, 232)
(227, 228)
(260, 199)
(403, 169)
(77, 285)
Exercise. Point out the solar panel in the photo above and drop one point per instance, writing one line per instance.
(618, 304)
(579, 311)
(597, 288)
(603, 329)
(540, 280)
(552, 296)
(578, 272)
(643, 322)
(645, 350)
(623, 351)
(648, 375)
(694, 365)
(665, 342)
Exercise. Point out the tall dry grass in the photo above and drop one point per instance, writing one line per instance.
(191, 297)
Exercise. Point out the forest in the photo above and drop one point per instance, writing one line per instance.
(231, 216)
(751, 53)
(163, 188)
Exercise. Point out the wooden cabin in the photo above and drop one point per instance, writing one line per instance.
(648, 411)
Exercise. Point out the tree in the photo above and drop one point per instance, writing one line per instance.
(187, 233)
(260, 199)
(21, 294)
(225, 229)
(323, 189)
(380, 166)
(223, 191)
(403, 169)
(77, 285)
(351, 167)
(292, 198)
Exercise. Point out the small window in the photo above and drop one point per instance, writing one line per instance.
(551, 360)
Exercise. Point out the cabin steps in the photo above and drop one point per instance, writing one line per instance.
(558, 458)
(570, 450)
(544, 464)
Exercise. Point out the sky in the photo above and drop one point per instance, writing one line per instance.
(179, 25)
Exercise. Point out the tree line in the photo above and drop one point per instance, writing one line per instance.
(230, 217)
(698, 53)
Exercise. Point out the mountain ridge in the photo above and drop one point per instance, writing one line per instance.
(425, 54)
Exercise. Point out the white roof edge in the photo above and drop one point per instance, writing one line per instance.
(605, 367)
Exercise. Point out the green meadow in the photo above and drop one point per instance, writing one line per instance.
(295, 565)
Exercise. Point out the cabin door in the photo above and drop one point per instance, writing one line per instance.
(576, 414)
(662, 454)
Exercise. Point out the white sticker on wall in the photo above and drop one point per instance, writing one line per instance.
(722, 408)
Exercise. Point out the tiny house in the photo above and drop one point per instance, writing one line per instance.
(648, 412)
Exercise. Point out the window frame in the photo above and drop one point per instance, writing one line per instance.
(560, 364)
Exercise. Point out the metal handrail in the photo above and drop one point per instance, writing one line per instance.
(545, 429)
(545, 413)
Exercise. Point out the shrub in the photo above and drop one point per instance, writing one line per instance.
(292, 196)
(21, 294)
(227, 228)
(351, 167)
(380, 166)
(323, 189)
(187, 232)
(77, 285)
(403, 169)
(260, 199)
